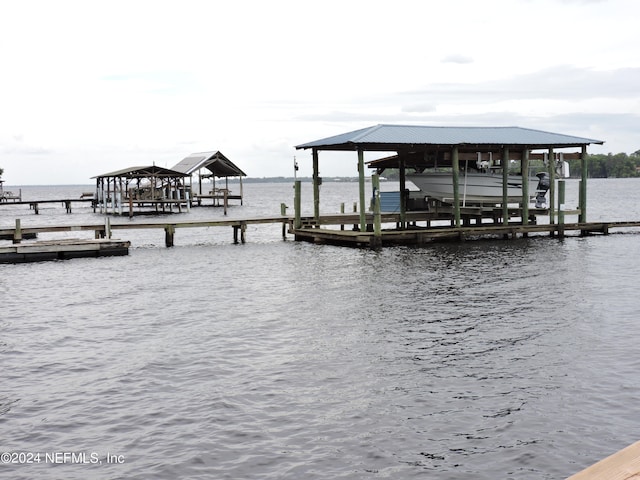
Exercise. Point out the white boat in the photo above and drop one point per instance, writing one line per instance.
(473, 187)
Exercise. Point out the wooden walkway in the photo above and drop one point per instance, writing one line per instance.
(103, 230)
(343, 232)
(623, 465)
(35, 204)
(424, 235)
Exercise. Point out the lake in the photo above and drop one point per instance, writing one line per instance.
(284, 360)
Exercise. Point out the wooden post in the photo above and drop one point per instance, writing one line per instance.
(403, 197)
(552, 187)
(226, 201)
(363, 218)
(17, 233)
(107, 227)
(524, 168)
(456, 189)
(243, 229)
(583, 186)
(377, 227)
(316, 187)
(283, 212)
(505, 186)
(169, 232)
(297, 222)
(235, 233)
(561, 207)
(130, 204)
(342, 211)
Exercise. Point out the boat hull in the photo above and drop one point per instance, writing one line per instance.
(472, 187)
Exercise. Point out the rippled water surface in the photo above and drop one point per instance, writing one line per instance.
(284, 360)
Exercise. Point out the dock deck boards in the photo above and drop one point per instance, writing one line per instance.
(623, 465)
(345, 230)
(62, 249)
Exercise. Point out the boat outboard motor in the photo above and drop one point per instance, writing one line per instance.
(541, 190)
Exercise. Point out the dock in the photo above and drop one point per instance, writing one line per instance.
(66, 203)
(62, 250)
(420, 236)
(623, 465)
(341, 229)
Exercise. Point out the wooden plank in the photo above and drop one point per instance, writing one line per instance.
(623, 465)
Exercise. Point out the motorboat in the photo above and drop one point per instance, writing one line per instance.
(478, 187)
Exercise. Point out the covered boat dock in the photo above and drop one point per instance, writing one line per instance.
(417, 147)
(211, 165)
(150, 188)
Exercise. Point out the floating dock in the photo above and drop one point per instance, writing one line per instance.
(62, 250)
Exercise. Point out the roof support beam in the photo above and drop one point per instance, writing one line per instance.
(456, 180)
(403, 197)
(552, 187)
(316, 186)
(582, 218)
(363, 218)
(505, 185)
(524, 169)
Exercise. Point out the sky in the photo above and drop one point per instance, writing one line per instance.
(89, 87)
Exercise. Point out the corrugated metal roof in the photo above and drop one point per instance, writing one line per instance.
(215, 162)
(141, 172)
(398, 135)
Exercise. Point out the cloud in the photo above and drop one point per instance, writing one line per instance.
(419, 108)
(561, 82)
(457, 58)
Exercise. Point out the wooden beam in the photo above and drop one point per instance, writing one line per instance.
(316, 185)
(623, 465)
(456, 188)
(363, 212)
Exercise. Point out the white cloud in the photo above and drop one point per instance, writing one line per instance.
(457, 58)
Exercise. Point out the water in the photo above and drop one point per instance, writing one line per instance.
(284, 360)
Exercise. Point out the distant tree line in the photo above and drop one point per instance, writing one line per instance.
(619, 165)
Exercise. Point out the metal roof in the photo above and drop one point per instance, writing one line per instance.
(215, 162)
(393, 137)
(143, 172)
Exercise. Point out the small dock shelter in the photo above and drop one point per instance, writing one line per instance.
(418, 147)
(211, 165)
(153, 188)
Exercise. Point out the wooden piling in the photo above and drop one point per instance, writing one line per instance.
(505, 186)
(363, 225)
(283, 212)
(377, 227)
(17, 235)
(316, 185)
(455, 171)
(296, 205)
(582, 218)
(169, 232)
(561, 207)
